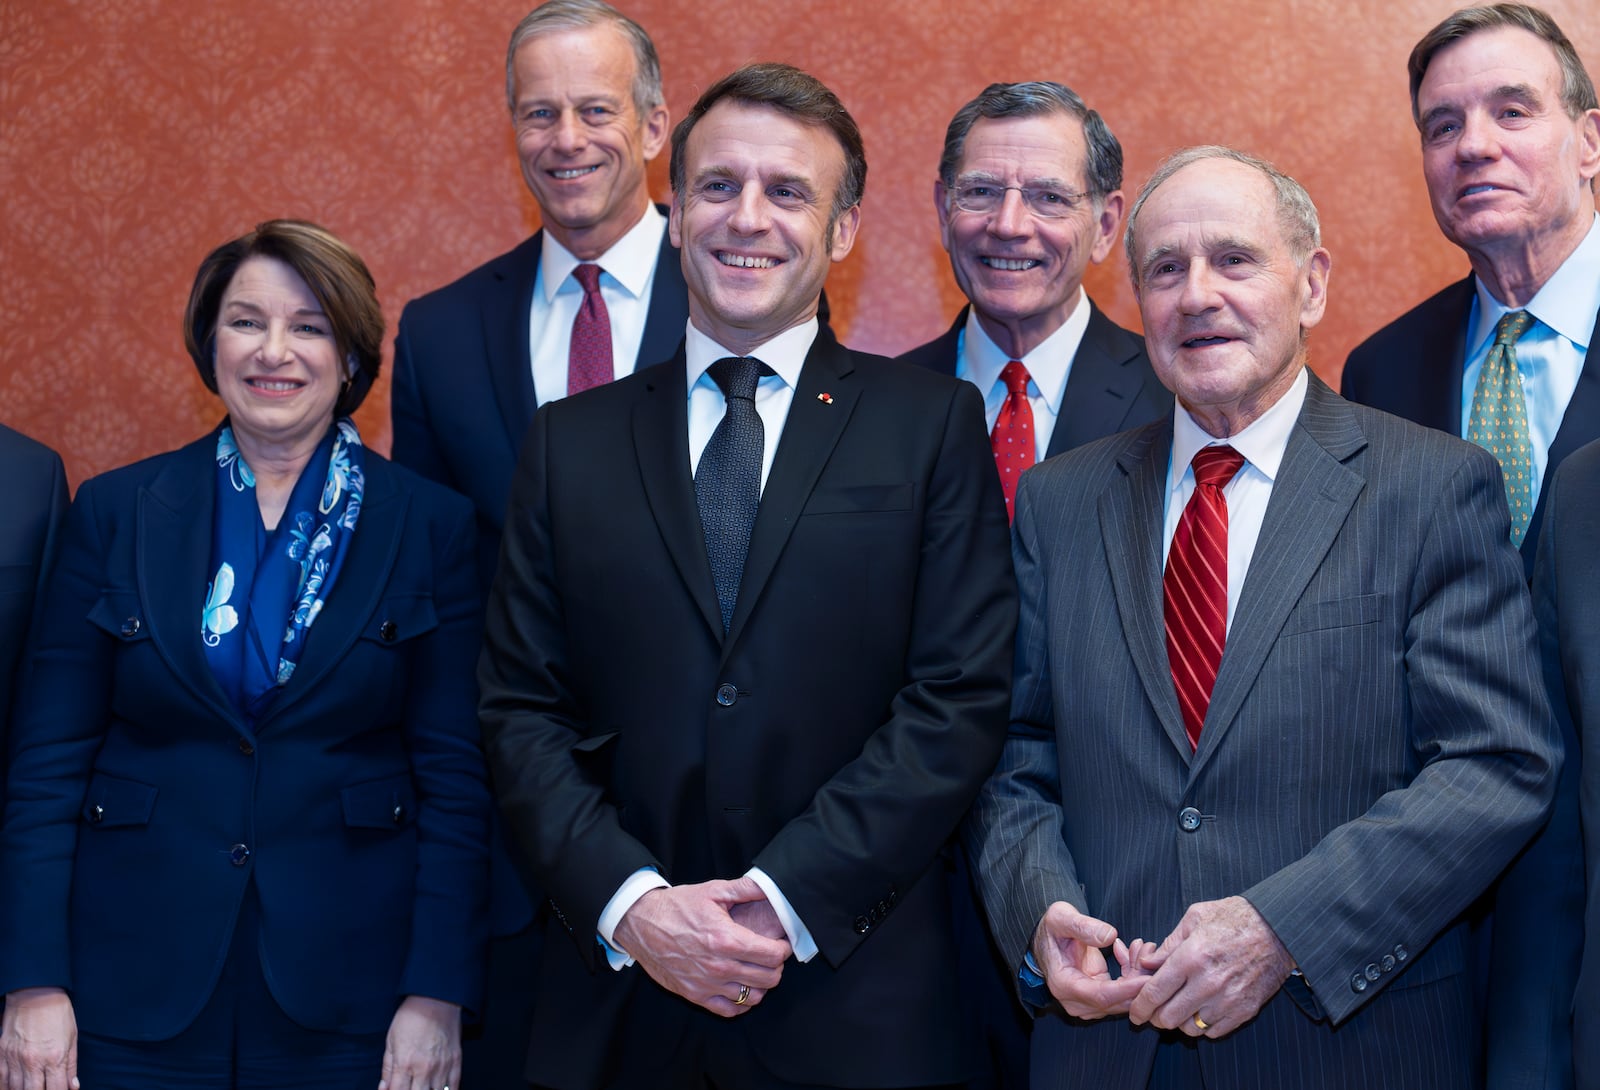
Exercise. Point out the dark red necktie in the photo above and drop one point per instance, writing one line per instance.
(589, 356)
(1195, 589)
(1012, 438)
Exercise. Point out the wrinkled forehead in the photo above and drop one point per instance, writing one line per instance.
(1025, 150)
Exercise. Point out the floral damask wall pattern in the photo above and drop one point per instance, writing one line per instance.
(136, 135)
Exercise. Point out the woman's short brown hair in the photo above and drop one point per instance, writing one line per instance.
(336, 276)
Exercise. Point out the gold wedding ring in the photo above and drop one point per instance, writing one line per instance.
(1200, 1023)
(744, 994)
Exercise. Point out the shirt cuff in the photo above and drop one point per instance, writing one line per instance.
(800, 940)
(636, 885)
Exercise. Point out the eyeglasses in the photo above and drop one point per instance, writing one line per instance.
(982, 198)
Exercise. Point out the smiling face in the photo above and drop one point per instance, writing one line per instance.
(1223, 298)
(1022, 273)
(581, 139)
(753, 221)
(277, 365)
(1507, 169)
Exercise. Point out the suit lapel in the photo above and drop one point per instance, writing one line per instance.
(504, 314)
(1579, 425)
(1441, 358)
(669, 307)
(1311, 498)
(661, 446)
(1132, 512)
(363, 577)
(1101, 388)
(810, 433)
(173, 568)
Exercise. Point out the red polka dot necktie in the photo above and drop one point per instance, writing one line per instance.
(1012, 437)
(1195, 588)
(589, 355)
(1498, 421)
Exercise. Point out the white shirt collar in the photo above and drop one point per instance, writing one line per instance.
(631, 260)
(1567, 303)
(785, 353)
(1262, 442)
(1049, 364)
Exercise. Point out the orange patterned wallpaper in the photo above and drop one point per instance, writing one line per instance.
(136, 135)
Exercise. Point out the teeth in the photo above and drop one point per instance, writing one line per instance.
(264, 384)
(575, 172)
(740, 262)
(1009, 264)
(1471, 189)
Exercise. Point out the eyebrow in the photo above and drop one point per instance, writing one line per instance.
(246, 304)
(1209, 244)
(985, 178)
(1522, 91)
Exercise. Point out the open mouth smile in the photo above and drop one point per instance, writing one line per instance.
(741, 261)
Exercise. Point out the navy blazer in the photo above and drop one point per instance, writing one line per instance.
(833, 736)
(1564, 582)
(143, 806)
(1111, 386)
(1412, 367)
(33, 495)
(463, 379)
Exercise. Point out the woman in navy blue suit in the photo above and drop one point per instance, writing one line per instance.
(244, 833)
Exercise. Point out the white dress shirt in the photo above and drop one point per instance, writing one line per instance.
(1262, 443)
(1550, 354)
(786, 355)
(629, 271)
(979, 360)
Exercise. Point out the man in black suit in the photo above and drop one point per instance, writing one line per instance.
(1029, 194)
(1510, 132)
(474, 359)
(1564, 579)
(747, 654)
(33, 494)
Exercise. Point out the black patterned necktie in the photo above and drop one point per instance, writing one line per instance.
(727, 484)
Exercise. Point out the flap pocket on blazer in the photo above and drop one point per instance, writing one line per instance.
(1338, 613)
(861, 497)
(120, 615)
(400, 618)
(389, 803)
(112, 802)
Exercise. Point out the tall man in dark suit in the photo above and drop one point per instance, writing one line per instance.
(1510, 149)
(595, 291)
(1308, 726)
(1029, 194)
(33, 494)
(747, 655)
(1564, 579)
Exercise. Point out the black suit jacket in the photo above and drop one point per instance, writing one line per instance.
(1412, 367)
(1110, 387)
(833, 737)
(463, 380)
(33, 495)
(1564, 584)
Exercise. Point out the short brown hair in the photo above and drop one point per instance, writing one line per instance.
(1577, 89)
(336, 276)
(796, 93)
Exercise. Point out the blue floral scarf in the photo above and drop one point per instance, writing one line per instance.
(264, 577)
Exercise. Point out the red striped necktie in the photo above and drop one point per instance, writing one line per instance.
(1195, 588)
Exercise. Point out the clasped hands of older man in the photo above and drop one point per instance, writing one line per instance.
(1210, 976)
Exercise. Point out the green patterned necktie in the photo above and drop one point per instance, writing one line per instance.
(1499, 420)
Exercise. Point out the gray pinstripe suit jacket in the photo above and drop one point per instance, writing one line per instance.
(1378, 744)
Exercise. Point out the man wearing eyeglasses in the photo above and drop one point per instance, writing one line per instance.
(1029, 194)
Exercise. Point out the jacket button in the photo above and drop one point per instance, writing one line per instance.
(387, 631)
(1358, 983)
(1400, 954)
(238, 855)
(1188, 819)
(1373, 972)
(399, 815)
(245, 747)
(97, 814)
(1388, 963)
(726, 695)
(863, 925)
(130, 627)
